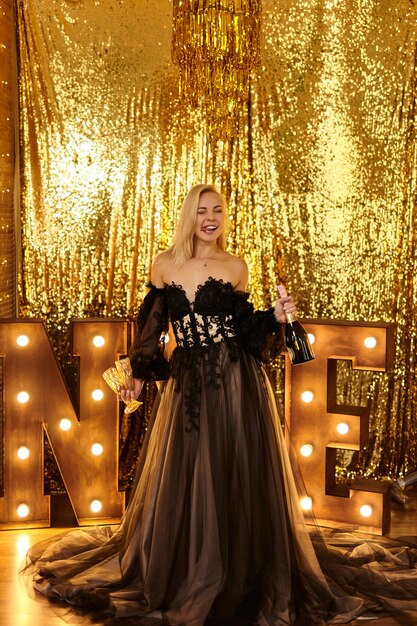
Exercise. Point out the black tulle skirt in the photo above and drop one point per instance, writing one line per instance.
(214, 531)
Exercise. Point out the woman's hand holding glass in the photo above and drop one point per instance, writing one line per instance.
(131, 390)
(121, 381)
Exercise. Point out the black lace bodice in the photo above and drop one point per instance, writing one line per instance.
(219, 316)
(207, 320)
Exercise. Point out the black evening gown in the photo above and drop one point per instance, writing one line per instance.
(214, 533)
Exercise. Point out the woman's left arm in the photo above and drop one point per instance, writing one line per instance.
(260, 331)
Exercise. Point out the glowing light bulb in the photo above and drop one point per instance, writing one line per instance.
(23, 453)
(366, 510)
(370, 342)
(306, 449)
(306, 503)
(99, 341)
(311, 338)
(22, 510)
(97, 449)
(65, 424)
(307, 396)
(97, 394)
(22, 341)
(96, 506)
(22, 397)
(342, 428)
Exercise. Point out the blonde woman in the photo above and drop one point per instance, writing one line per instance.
(213, 533)
(198, 262)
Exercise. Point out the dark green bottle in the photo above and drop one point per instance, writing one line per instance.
(296, 338)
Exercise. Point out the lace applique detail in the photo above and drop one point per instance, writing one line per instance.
(213, 297)
(193, 367)
(196, 329)
(197, 337)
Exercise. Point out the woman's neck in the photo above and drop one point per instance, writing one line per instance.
(204, 250)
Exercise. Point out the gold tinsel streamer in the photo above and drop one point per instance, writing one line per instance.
(322, 173)
(216, 44)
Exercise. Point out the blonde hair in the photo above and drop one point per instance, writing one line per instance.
(182, 248)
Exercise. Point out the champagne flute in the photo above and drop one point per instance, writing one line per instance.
(119, 378)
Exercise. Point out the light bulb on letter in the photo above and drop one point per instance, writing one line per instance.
(22, 341)
(342, 428)
(23, 510)
(22, 397)
(97, 449)
(306, 449)
(96, 506)
(306, 503)
(99, 341)
(65, 424)
(366, 510)
(97, 394)
(370, 342)
(307, 396)
(23, 453)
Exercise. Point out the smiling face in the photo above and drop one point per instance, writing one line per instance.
(210, 217)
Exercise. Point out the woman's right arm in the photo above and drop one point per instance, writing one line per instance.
(146, 353)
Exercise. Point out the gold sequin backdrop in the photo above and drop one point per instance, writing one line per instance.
(321, 177)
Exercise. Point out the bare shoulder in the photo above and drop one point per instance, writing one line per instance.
(239, 270)
(159, 266)
(238, 263)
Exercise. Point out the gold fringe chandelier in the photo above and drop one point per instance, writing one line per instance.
(216, 44)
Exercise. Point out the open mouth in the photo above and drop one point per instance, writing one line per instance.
(209, 229)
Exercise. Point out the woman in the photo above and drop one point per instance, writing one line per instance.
(213, 533)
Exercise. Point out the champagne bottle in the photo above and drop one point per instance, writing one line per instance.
(296, 338)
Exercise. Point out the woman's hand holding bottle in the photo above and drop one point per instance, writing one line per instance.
(296, 338)
(284, 306)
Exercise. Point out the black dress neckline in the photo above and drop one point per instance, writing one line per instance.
(200, 287)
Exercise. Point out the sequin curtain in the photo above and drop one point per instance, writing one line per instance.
(321, 176)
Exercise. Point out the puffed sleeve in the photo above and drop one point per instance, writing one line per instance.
(147, 351)
(259, 331)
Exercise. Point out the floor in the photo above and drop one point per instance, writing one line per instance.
(20, 608)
